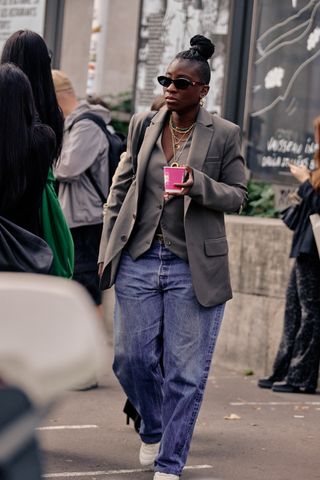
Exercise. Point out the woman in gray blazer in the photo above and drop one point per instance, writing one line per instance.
(167, 255)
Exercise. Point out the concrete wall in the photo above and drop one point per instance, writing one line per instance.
(76, 42)
(259, 263)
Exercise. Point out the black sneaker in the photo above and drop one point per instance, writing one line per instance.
(265, 382)
(283, 387)
(309, 390)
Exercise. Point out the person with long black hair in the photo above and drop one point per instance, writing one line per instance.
(28, 50)
(26, 150)
(167, 254)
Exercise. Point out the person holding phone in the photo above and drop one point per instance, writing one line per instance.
(296, 366)
(168, 257)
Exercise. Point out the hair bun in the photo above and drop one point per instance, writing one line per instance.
(202, 45)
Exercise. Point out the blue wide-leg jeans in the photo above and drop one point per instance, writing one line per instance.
(164, 341)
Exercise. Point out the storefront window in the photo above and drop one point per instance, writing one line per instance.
(285, 96)
(18, 15)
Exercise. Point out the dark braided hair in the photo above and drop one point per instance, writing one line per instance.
(200, 51)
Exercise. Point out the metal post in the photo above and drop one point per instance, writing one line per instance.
(237, 67)
(53, 28)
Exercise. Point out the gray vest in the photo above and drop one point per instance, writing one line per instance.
(155, 214)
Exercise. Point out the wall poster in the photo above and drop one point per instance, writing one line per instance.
(166, 28)
(21, 14)
(285, 88)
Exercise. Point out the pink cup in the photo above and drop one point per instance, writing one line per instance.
(173, 175)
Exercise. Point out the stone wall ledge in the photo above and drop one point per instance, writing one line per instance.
(259, 267)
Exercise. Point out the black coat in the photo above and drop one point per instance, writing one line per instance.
(303, 241)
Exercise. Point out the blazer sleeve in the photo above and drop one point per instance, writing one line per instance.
(230, 192)
(121, 183)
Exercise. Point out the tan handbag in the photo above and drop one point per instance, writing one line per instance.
(315, 223)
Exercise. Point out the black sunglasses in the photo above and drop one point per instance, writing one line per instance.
(179, 83)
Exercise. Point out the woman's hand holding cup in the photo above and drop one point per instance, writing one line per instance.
(180, 188)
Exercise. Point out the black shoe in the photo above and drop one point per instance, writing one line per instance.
(132, 413)
(309, 390)
(284, 387)
(265, 382)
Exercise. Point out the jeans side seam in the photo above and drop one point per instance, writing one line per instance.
(199, 395)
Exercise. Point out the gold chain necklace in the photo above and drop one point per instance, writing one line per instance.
(178, 141)
(179, 129)
(176, 157)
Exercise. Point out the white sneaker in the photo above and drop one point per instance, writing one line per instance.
(165, 476)
(148, 453)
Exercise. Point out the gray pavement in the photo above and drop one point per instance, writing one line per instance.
(242, 433)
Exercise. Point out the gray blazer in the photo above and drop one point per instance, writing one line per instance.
(219, 186)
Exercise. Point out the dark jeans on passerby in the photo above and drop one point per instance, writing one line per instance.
(297, 360)
(86, 241)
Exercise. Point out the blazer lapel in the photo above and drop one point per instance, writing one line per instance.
(201, 139)
(150, 137)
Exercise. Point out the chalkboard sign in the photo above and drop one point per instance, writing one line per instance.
(285, 88)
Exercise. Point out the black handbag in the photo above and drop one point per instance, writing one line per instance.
(290, 216)
(22, 251)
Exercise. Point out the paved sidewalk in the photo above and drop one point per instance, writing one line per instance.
(243, 433)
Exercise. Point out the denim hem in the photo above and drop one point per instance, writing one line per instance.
(171, 472)
(146, 439)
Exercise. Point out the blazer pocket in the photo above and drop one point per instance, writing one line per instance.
(213, 159)
(215, 247)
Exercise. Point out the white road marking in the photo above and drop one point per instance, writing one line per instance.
(240, 404)
(67, 427)
(115, 472)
